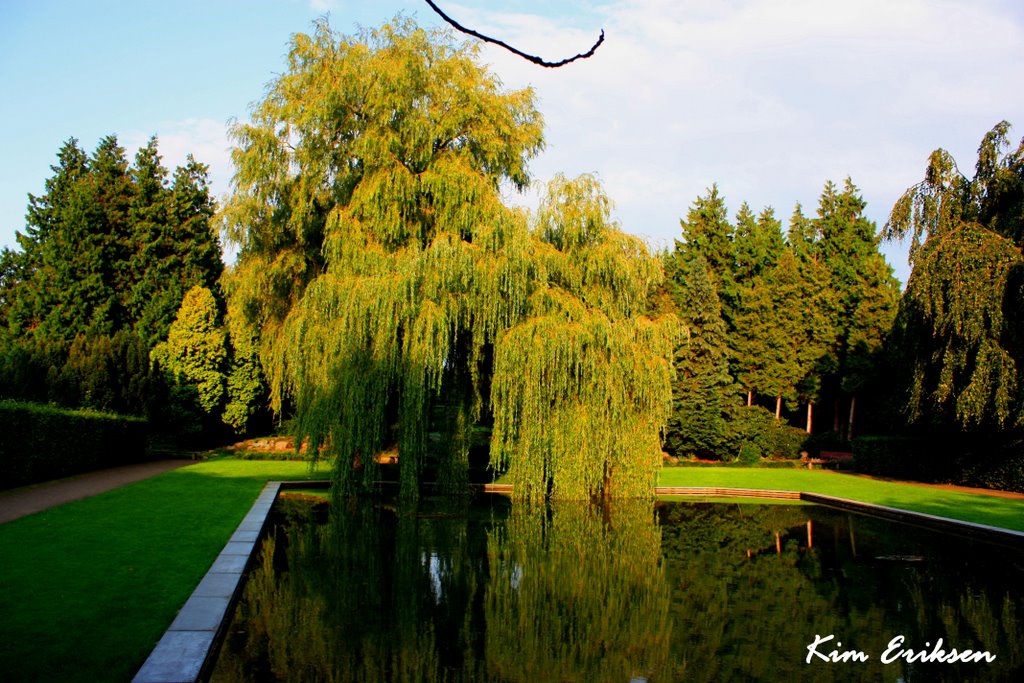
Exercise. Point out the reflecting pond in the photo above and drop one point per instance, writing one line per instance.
(458, 590)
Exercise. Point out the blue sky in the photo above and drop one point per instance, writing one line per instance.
(768, 98)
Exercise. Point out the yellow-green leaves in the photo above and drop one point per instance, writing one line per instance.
(196, 350)
(401, 302)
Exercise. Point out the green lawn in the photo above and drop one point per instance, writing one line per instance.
(87, 588)
(983, 509)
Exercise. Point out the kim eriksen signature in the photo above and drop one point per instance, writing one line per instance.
(895, 652)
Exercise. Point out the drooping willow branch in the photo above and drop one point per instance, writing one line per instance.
(528, 57)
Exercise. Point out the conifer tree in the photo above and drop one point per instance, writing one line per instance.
(31, 302)
(147, 266)
(817, 301)
(801, 234)
(773, 351)
(175, 247)
(708, 233)
(85, 252)
(195, 352)
(757, 244)
(865, 290)
(702, 387)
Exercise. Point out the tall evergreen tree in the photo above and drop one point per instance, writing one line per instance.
(818, 303)
(802, 233)
(88, 249)
(12, 274)
(702, 385)
(34, 297)
(708, 234)
(866, 292)
(148, 266)
(176, 248)
(757, 244)
(775, 351)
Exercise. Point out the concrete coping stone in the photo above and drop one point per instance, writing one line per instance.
(183, 653)
(242, 536)
(238, 548)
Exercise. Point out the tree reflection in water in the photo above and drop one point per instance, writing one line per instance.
(454, 591)
(751, 588)
(450, 592)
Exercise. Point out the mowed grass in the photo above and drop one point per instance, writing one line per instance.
(1007, 513)
(87, 588)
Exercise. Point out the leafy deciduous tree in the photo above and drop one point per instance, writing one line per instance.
(386, 276)
(960, 321)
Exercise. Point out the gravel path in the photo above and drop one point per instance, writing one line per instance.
(15, 503)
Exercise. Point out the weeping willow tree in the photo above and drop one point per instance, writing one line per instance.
(400, 302)
(960, 324)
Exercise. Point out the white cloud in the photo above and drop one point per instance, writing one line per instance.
(768, 98)
(204, 139)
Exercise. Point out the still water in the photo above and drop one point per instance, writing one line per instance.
(676, 591)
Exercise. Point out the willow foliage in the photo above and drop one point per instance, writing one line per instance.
(960, 322)
(391, 284)
(578, 594)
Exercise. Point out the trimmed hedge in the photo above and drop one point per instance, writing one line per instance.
(899, 457)
(39, 442)
(963, 459)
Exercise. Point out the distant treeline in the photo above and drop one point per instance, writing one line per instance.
(384, 296)
(114, 301)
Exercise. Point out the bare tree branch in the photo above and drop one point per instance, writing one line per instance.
(531, 58)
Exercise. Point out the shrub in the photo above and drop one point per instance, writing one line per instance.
(787, 441)
(994, 462)
(750, 454)
(756, 426)
(747, 425)
(40, 442)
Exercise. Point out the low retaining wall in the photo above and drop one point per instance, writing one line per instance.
(183, 653)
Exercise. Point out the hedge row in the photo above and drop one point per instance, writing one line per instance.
(39, 442)
(964, 459)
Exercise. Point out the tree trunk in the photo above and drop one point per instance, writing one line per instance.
(607, 482)
(778, 407)
(849, 427)
(810, 411)
(750, 397)
(835, 417)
